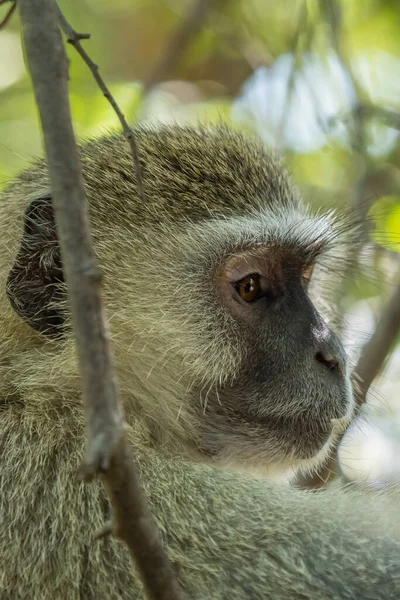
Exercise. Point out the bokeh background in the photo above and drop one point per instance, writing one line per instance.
(318, 79)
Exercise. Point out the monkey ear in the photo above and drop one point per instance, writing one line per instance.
(35, 285)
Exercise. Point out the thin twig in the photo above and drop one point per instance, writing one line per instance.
(108, 451)
(74, 38)
(296, 60)
(9, 14)
(180, 39)
(388, 117)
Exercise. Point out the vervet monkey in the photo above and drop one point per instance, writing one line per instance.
(228, 372)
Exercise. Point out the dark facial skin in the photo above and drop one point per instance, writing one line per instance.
(293, 381)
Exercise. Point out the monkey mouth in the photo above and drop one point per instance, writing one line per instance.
(299, 424)
(272, 439)
(301, 438)
(269, 444)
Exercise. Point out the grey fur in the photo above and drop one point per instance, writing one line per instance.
(207, 396)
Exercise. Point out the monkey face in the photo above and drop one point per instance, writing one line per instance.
(212, 289)
(233, 313)
(290, 394)
(293, 385)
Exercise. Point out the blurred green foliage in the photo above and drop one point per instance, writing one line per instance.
(386, 216)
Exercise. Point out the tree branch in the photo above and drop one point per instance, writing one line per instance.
(179, 41)
(9, 13)
(108, 451)
(376, 350)
(74, 38)
(388, 117)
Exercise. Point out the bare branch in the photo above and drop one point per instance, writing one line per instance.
(297, 53)
(9, 13)
(376, 350)
(388, 117)
(179, 41)
(108, 451)
(73, 38)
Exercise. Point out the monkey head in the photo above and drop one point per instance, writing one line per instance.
(273, 388)
(212, 289)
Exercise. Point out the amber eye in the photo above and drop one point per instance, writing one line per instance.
(249, 287)
(307, 275)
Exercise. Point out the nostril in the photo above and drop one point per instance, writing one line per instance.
(332, 364)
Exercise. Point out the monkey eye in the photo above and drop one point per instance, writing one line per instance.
(307, 275)
(249, 288)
